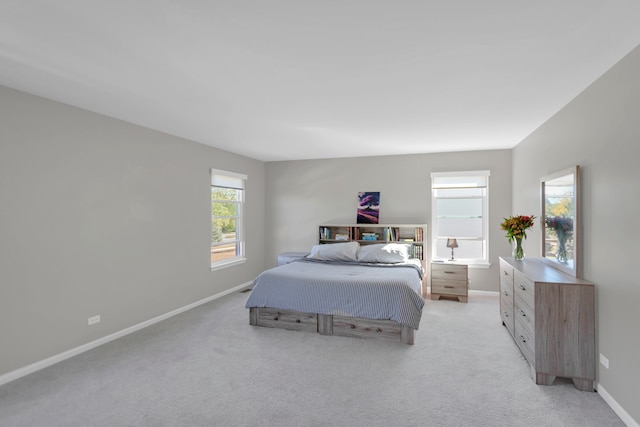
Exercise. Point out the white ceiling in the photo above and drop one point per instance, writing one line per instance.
(300, 79)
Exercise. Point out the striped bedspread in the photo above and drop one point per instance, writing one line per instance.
(373, 291)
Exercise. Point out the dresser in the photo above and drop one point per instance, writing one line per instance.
(551, 317)
(451, 280)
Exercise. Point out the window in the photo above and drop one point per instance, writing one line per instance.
(227, 202)
(460, 206)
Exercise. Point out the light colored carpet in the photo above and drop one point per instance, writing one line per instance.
(209, 367)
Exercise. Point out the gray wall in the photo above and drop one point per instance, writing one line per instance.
(304, 194)
(600, 131)
(98, 216)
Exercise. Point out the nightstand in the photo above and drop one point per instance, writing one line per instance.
(451, 280)
(287, 257)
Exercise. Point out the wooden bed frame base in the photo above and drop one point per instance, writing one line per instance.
(326, 324)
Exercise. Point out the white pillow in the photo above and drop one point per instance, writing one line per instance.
(335, 252)
(386, 253)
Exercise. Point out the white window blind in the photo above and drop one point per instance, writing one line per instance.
(227, 179)
(460, 210)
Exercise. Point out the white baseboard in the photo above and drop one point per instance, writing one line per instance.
(619, 410)
(489, 293)
(26, 370)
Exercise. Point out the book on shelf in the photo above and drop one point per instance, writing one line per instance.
(417, 251)
(325, 233)
(342, 236)
(393, 234)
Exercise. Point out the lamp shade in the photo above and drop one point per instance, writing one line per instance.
(452, 243)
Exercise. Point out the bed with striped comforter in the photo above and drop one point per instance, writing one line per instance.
(359, 290)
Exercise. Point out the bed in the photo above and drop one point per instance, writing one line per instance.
(369, 291)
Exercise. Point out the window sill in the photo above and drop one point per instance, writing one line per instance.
(229, 263)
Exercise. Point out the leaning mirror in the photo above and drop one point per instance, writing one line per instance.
(561, 220)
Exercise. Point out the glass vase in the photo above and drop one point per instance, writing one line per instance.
(561, 256)
(518, 252)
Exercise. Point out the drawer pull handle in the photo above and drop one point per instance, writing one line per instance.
(522, 339)
(353, 326)
(506, 293)
(378, 330)
(505, 273)
(449, 287)
(275, 318)
(297, 320)
(450, 272)
(506, 314)
(523, 287)
(522, 313)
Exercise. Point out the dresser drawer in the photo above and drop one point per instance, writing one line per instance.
(524, 288)
(449, 287)
(449, 272)
(286, 319)
(366, 328)
(525, 342)
(506, 312)
(506, 273)
(506, 290)
(524, 315)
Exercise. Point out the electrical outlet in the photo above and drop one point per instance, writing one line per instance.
(93, 320)
(604, 361)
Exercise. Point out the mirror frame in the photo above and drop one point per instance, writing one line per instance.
(575, 269)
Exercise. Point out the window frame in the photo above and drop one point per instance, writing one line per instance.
(482, 262)
(235, 181)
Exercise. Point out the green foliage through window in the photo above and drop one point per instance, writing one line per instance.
(227, 194)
